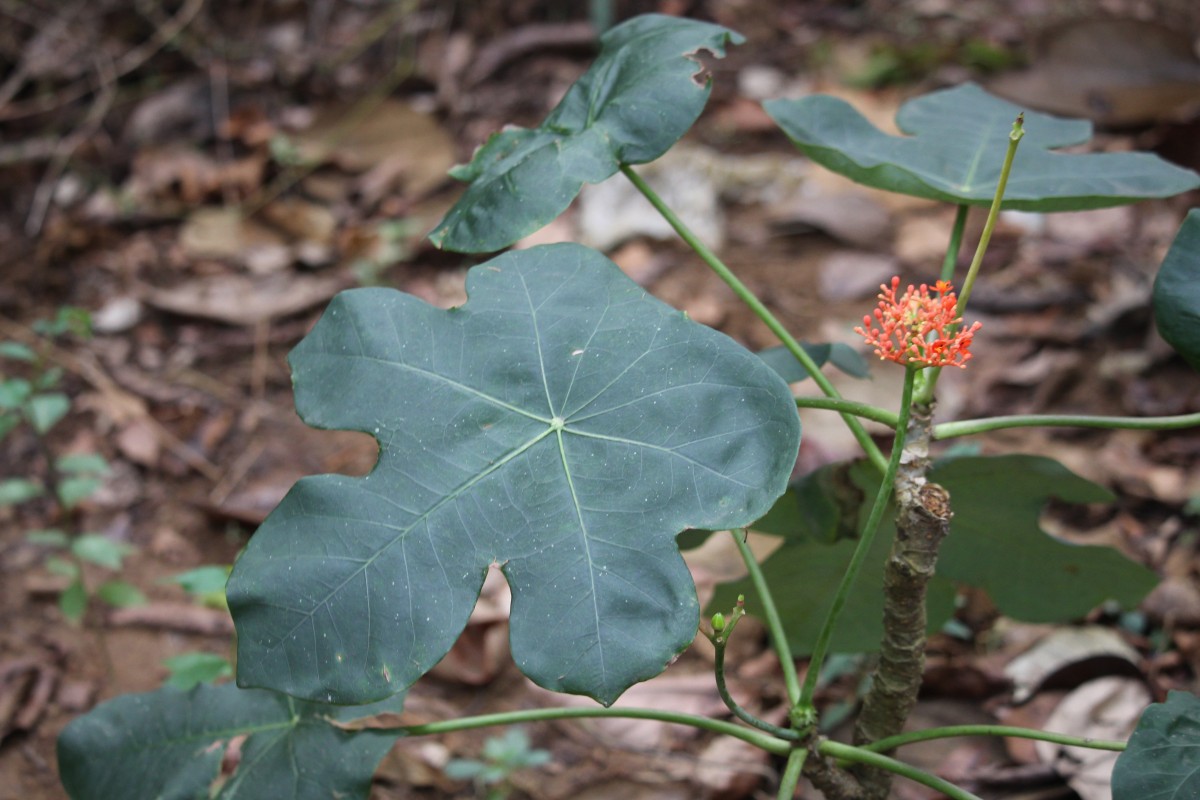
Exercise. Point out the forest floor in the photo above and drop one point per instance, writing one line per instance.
(203, 177)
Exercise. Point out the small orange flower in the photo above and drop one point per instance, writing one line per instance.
(919, 328)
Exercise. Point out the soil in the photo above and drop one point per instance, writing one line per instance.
(117, 171)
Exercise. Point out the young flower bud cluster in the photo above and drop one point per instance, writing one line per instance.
(919, 328)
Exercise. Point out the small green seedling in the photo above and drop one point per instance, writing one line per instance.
(502, 756)
(34, 399)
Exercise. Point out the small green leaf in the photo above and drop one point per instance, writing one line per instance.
(1177, 291)
(1162, 760)
(67, 319)
(120, 594)
(14, 491)
(643, 92)
(563, 423)
(45, 410)
(49, 379)
(995, 543)
(61, 566)
(50, 537)
(8, 421)
(14, 392)
(17, 352)
(170, 743)
(73, 491)
(73, 602)
(99, 549)
(82, 464)
(202, 580)
(189, 669)
(955, 148)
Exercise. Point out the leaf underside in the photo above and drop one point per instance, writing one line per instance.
(1162, 761)
(564, 425)
(955, 147)
(995, 543)
(642, 93)
(169, 744)
(1177, 291)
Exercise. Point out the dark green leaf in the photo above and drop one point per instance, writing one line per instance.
(120, 594)
(643, 92)
(563, 424)
(995, 543)
(45, 410)
(842, 356)
(1177, 291)
(73, 602)
(189, 669)
(169, 744)
(956, 146)
(99, 549)
(1162, 761)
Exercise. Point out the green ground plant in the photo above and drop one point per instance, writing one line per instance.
(31, 397)
(575, 431)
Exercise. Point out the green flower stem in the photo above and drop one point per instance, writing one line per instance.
(771, 615)
(899, 740)
(956, 237)
(719, 643)
(761, 740)
(949, 430)
(861, 755)
(873, 413)
(791, 773)
(862, 548)
(1014, 139)
(761, 311)
(929, 382)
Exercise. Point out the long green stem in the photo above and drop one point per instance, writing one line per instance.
(861, 755)
(967, 427)
(862, 548)
(761, 740)
(773, 620)
(956, 237)
(761, 311)
(929, 381)
(873, 413)
(738, 711)
(791, 773)
(892, 742)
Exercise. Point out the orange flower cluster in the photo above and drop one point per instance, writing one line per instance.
(919, 328)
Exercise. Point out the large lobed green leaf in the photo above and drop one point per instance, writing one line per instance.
(955, 148)
(168, 744)
(1162, 761)
(995, 543)
(1177, 291)
(564, 425)
(643, 92)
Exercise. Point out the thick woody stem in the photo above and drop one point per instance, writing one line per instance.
(922, 522)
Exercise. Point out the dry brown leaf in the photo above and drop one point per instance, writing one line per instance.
(1106, 708)
(244, 300)
(1117, 72)
(360, 138)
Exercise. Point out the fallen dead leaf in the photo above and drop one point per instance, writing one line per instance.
(244, 300)
(1106, 708)
(1069, 651)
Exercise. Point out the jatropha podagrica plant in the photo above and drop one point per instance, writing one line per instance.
(568, 427)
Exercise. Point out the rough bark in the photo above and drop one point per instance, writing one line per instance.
(922, 522)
